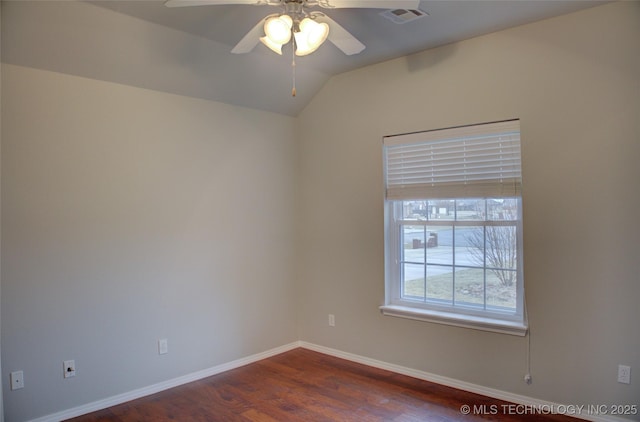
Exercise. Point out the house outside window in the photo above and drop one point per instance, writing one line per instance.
(453, 235)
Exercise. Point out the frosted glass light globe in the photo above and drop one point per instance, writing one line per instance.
(311, 36)
(278, 29)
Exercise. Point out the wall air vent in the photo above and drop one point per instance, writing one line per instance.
(404, 15)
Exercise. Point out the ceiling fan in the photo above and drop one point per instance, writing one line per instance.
(298, 22)
(298, 11)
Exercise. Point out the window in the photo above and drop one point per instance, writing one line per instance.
(453, 236)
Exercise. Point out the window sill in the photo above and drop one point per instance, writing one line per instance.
(457, 320)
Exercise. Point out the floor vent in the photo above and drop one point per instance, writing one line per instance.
(401, 16)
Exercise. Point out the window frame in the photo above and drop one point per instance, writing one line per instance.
(453, 314)
(488, 319)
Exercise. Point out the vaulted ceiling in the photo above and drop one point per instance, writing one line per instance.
(187, 50)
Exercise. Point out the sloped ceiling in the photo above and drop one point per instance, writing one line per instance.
(186, 50)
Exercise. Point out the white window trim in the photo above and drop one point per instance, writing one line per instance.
(513, 324)
(458, 320)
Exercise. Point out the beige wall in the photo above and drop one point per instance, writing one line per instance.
(131, 215)
(574, 81)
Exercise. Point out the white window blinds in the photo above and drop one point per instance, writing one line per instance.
(470, 161)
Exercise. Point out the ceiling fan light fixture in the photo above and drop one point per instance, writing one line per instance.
(318, 33)
(278, 29)
(311, 36)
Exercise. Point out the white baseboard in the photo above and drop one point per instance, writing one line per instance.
(165, 385)
(517, 399)
(426, 376)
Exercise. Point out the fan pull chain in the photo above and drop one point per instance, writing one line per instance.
(293, 69)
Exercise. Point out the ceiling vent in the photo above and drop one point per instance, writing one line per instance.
(404, 15)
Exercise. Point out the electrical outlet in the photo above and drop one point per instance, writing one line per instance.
(69, 368)
(163, 346)
(624, 374)
(17, 380)
(332, 320)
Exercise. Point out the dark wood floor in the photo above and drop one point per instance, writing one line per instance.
(302, 385)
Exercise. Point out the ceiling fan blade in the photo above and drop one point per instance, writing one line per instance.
(341, 38)
(251, 39)
(183, 3)
(375, 4)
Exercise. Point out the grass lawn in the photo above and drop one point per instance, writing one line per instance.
(469, 287)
